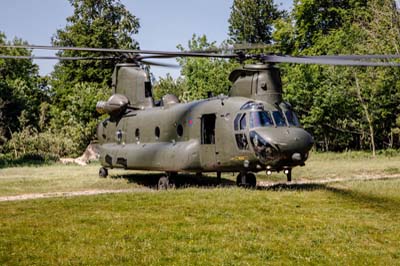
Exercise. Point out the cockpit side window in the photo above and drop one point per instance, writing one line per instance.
(292, 118)
(243, 122)
(279, 119)
(240, 125)
(241, 141)
(236, 122)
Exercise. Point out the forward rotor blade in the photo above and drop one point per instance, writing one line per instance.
(325, 61)
(110, 50)
(53, 57)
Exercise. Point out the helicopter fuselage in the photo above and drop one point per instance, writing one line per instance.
(221, 134)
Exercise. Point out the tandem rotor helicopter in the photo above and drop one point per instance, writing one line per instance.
(247, 131)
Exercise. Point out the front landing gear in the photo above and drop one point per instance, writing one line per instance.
(246, 180)
(288, 173)
(103, 172)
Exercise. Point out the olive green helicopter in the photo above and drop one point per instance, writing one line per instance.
(251, 129)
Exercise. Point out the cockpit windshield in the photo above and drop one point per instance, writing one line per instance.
(292, 118)
(260, 119)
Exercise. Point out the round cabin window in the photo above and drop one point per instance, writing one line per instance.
(157, 132)
(179, 130)
(137, 134)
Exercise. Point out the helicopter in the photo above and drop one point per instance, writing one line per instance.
(251, 129)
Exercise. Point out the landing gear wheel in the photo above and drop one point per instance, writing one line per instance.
(246, 180)
(219, 178)
(251, 180)
(289, 175)
(239, 180)
(165, 183)
(103, 172)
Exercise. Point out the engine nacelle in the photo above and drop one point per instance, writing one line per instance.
(116, 105)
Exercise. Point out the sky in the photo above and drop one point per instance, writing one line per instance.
(163, 23)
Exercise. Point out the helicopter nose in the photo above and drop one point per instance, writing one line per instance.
(292, 144)
(294, 140)
(297, 147)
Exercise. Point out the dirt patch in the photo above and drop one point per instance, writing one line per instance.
(91, 154)
(69, 194)
(261, 184)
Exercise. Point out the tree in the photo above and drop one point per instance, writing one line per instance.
(100, 24)
(251, 21)
(204, 75)
(78, 120)
(358, 104)
(20, 91)
(169, 85)
(316, 18)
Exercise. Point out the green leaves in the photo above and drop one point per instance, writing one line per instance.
(20, 91)
(78, 119)
(251, 21)
(78, 85)
(103, 24)
(354, 104)
(168, 85)
(203, 75)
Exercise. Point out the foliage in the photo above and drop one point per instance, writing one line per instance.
(28, 159)
(30, 142)
(78, 85)
(251, 21)
(77, 121)
(316, 18)
(21, 91)
(345, 107)
(204, 75)
(169, 85)
(101, 24)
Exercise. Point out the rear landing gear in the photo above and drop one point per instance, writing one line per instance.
(246, 180)
(103, 172)
(219, 178)
(166, 182)
(163, 183)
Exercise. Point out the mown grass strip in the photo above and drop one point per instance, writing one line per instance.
(348, 224)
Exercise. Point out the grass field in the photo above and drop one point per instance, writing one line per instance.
(342, 223)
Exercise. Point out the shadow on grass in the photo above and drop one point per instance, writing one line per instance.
(294, 186)
(150, 180)
(364, 200)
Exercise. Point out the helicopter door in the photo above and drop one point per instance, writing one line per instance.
(207, 149)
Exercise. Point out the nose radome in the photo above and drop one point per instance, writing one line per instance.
(294, 140)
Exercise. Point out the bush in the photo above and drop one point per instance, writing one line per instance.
(30, 143)
(7, 160)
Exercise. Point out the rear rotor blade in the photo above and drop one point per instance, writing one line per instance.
(325, 61)
(151, 63)
(356, 57)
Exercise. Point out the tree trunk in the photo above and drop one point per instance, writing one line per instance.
(367, 116)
